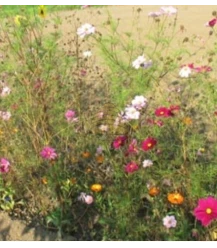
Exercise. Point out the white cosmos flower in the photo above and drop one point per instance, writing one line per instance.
(147, 163)
(139, 102)
(168, 10)
(87, 54)
(185, 72)
(138, 62)
(85, 29)
(131, 113)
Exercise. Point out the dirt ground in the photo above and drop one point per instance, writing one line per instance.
(192, 17)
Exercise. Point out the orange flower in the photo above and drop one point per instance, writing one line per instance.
(86, 154)
(187, 121)
(99, 159)
(175, 198)
(153, 191)
(96, 187)
(44, 180)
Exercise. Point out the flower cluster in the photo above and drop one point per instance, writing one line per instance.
(141, 62)
(186, 70)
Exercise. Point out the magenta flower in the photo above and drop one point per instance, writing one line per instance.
(133, 148)
(70, 116)
(202, 69)
(119, 141)
(48, 153)
(206, 210)
(4, 165)
(131, 167)
(211, 23)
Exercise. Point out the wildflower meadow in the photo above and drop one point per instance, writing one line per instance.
(109, 136)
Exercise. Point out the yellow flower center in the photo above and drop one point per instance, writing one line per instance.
(208, 210)
(162, 112)
(149, 144)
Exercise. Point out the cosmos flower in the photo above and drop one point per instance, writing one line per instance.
(169, 221)
(149, 143)
(48, 153)
(4, 165)
(85, 29)
(87, 54)
(185, 71)
(168, 10)
(139, 102)
(141, 62)
(163, 112)
(70, 116)
(147, 163)
(211, 23)
(175, 198)
(5, 115)
(131, 113)
(119, 141)
(88, 199)
(131, 167)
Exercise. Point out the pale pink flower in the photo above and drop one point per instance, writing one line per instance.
(141, 62)
(5, 115)
(88, 199)
(99, 150)
(4, 165)
(131, 113)
(85, 29)
(139, 102)
(169, 221)
(48, 153)
(155, 14)
(84, 6)
(5, 91)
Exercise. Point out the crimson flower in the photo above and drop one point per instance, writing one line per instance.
(149, 143)
(211, 23)
(119, 141)
(163, 112)
(203, 68)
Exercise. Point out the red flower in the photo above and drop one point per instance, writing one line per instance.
(131, 167)
(149, 143)
(164, 112)
(206, 211)
(118, 142)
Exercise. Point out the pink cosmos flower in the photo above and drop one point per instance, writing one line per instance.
(149, 143)
(206, 210)
(211, 23)
(4, 165)
(70, 116)
(88, 199)
(203, 68)
(155, 14)
(132, 149)
(48, 153)
(84, 6)
(131, 167)
(119, 141)
(85, 29)
(169, 221)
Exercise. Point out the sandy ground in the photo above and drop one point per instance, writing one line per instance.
(193, 18)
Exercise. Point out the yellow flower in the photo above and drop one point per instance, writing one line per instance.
(18, 18)
(15, 130)
(42, 11)
(96, 187)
